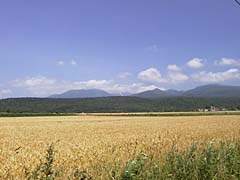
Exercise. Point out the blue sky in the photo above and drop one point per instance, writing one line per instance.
(48, 47)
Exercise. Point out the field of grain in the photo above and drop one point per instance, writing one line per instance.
(98, 144)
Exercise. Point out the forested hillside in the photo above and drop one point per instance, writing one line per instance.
(114, 104)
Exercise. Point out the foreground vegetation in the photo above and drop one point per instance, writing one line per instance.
(119, 147)
(114, 104)
(212, 161)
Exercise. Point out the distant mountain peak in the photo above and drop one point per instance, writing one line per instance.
(156, 90)
(82, 93)
(154, 93)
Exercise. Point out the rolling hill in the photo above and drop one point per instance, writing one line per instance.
(113, 104)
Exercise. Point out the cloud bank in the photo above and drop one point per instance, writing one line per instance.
(227, 61)
(212, 77)
(147, 79)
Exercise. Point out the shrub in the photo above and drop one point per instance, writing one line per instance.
(214, 161)
(134, 168)
(44, 170)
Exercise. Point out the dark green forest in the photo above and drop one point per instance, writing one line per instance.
(114, 104)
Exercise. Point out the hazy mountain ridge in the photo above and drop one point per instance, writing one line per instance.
(157, 93)
(211, 90)
(82, 93)
(214, 90)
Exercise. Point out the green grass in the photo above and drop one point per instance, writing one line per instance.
(35, 114)
(213, 161)
(126, 114)
(173, 114)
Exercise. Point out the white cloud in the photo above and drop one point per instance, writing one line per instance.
(124, 75)
(60, 63)
(217, 77)
(151, 75)
(99, 84)
(33, 81)
(173, 67)
(153, 48)
(195, 63)
(177, 77)
(43, 86)
(73, 62)
(227, 61)
(4, 92)
(38, 86)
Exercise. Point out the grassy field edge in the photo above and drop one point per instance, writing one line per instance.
(123, 114)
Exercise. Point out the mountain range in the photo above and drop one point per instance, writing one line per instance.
(82, 93)
(211, 90)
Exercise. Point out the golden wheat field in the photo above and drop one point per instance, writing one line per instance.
(94, 143)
